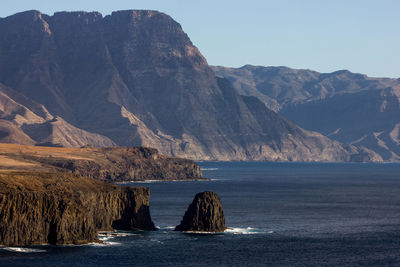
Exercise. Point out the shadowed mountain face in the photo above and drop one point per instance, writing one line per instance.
(135, 78)
(368, 118)
(345, 106)
(279, 87)
(26, 122)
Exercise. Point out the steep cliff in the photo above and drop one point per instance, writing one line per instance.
(38, 208)
(136, 78)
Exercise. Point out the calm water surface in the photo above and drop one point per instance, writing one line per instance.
(296, 214)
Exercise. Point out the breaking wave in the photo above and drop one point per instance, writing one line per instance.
(246, 231)
(23, 250)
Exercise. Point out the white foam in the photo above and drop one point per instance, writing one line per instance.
(160, 181)
(209, 169)
(23, 250)
(245, 231)
(146, 181)
(202, 232)
(138, 182)
(105, 244)
(105, 238)
(114, 234)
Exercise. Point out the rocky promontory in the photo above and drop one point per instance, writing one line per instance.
(62, 208)
(205, 214)
(110, 163)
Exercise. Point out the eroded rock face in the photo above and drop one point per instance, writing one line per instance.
(348, 107)
(134, 78)
(127, 164)
(205, 214)
(66, 209)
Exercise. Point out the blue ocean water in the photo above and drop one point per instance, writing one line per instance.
(280, 214)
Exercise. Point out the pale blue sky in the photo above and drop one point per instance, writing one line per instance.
(324, 35)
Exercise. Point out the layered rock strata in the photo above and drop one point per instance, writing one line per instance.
(38, 208)
(205, 214)
(134, 78)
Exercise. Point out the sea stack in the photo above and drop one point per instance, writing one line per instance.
(205, 214)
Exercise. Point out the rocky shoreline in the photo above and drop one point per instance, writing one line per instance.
(61, 208)
(64, 208)
(52, 195)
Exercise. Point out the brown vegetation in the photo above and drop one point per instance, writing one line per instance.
(116, 163)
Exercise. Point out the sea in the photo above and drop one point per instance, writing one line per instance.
(278, 214)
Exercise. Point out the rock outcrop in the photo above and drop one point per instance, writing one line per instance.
(112, 164)
(205, 214)
(38, 208)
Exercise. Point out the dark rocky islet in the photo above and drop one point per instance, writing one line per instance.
(205, 214)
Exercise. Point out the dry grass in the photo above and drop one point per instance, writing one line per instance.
(41, 151)
(20, 157)
(5, 161)
(114, 163)
(50, 182)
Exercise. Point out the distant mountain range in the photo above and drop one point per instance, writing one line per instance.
(347, 107)
(134, 78)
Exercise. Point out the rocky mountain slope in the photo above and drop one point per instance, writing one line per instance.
(43, 208)
(26, 122)
(135, 78)
(111, 164)
(279, 87)
(368, 118)
(348, 107)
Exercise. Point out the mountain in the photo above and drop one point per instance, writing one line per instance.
(368, 118)
(134, 78)
(347, 107)
(26, 122)
(278, 87)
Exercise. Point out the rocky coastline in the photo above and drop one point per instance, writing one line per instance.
(53, 195)
(116, 164)
(62, 208)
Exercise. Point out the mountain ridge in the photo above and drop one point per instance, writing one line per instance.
(348, 107)
(134, 78)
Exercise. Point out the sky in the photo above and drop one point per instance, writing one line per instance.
(362, 36)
